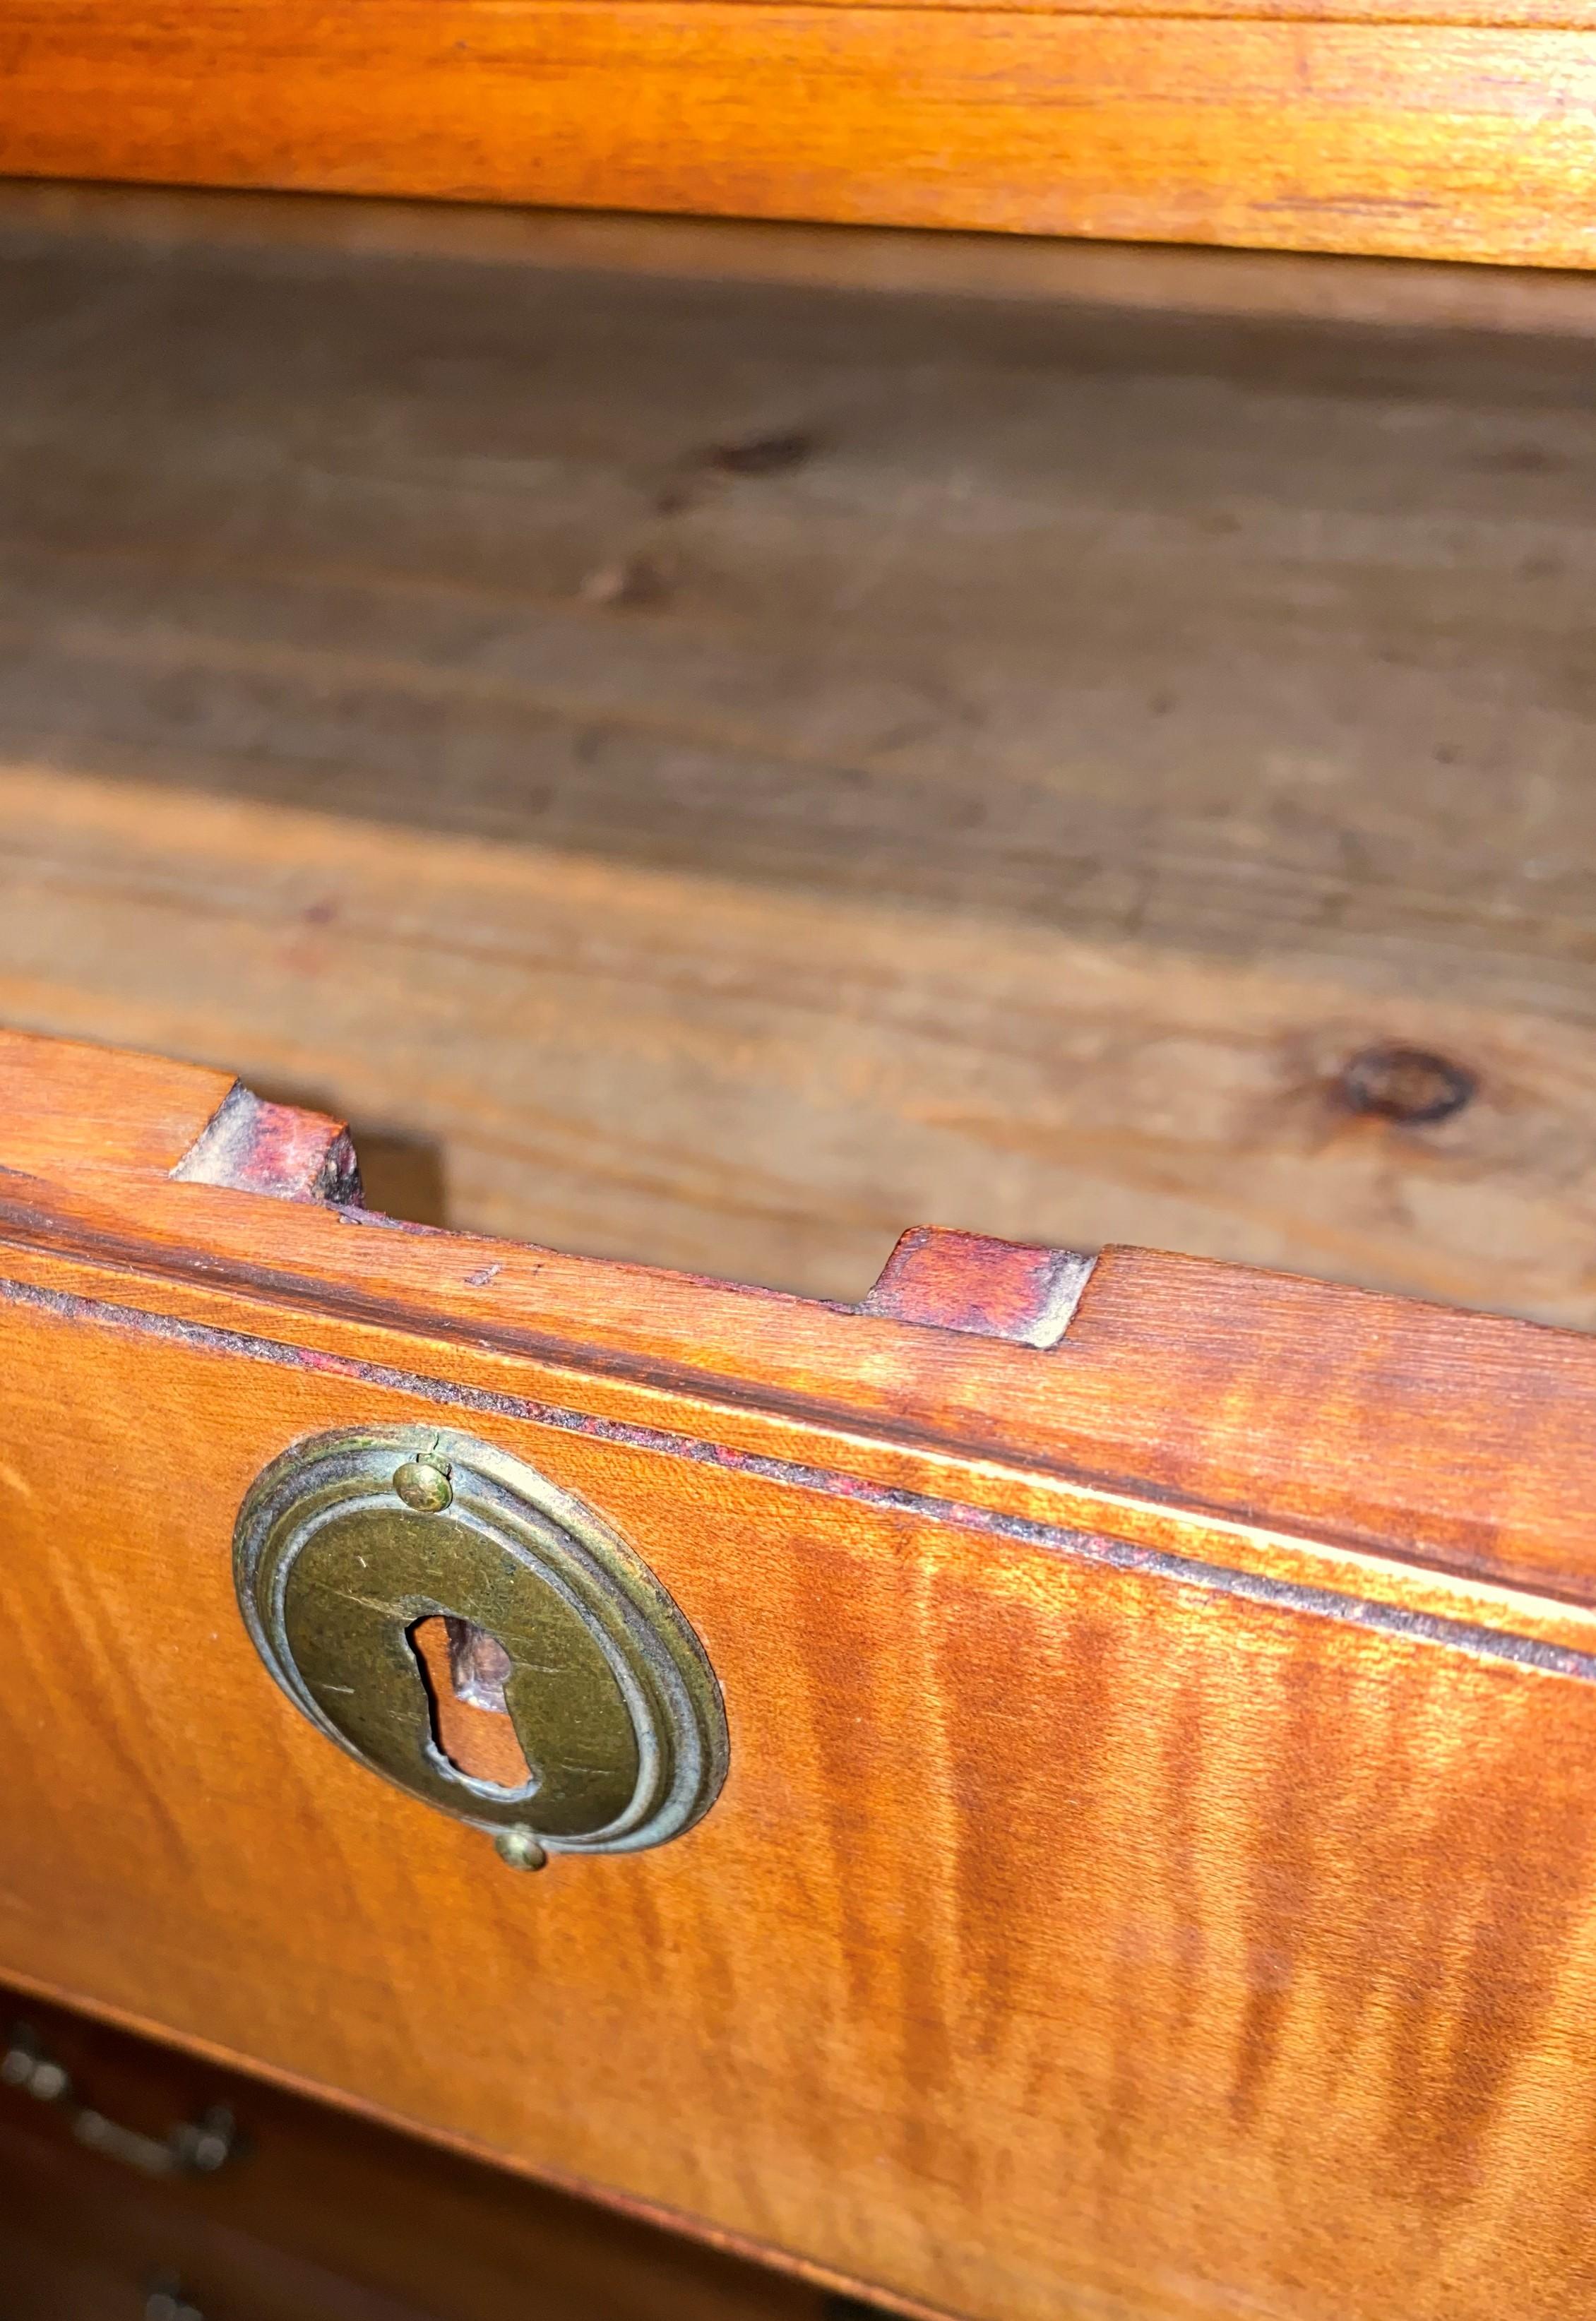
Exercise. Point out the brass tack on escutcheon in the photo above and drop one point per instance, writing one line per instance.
(422, 1483)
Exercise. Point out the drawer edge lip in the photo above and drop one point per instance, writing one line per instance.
(1502, 1635)
(1288, 129)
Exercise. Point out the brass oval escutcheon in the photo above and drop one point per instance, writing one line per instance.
(346, 1544)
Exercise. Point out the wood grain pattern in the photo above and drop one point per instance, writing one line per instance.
(1017, 814)
(1434, 139)
(146, 1118)
(642, 1063)
(1157, 1870)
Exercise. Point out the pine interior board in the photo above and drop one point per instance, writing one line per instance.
(714, 769)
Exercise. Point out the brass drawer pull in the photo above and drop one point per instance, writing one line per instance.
(193, 2148)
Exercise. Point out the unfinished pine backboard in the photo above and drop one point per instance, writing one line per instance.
(704, 759)
(1157, 1874)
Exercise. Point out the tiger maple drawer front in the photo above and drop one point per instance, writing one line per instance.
(1148, 1859)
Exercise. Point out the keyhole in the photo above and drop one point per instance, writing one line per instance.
(464, 1668)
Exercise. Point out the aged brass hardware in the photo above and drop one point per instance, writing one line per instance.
(196, 2147)
(521, 1849)
(422, 1483)
(347, 1543)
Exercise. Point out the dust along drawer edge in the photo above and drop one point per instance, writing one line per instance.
(1149, 1856)
(1464, 136)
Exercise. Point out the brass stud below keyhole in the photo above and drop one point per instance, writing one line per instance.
(520, 1850)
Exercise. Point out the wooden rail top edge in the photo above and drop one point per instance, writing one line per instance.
(1398, 1430)
(1394, 128)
